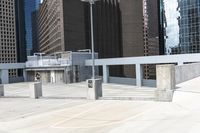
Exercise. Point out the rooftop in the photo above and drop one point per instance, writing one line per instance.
(56, 113)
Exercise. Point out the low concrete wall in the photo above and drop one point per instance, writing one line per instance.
(131, 81)
(187, 72)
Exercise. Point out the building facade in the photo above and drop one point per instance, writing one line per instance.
(64, 25)
(151, 35)
(20, 31)
(107, 31)
(29, 7)
(8, 45)
(60, 26)
(140, 32)
(132, 31)
(180, 22)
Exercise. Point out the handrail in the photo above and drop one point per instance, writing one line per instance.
(163, 59)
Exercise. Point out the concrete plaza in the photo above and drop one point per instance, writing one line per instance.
(61, 111)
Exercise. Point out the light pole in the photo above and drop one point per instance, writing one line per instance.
(92, 35)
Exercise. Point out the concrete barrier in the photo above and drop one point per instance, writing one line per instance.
(1, 90)
(131, 81)
(187, 72)
(94, 89)
(165, 82)
(168, 76)
(35, 90)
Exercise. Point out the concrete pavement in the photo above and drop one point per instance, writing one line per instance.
(49, 115)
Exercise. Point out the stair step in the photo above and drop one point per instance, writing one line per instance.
(129, 94)
(129, 98)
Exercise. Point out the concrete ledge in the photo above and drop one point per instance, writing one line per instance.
(187, 72)
(35, 90)
(1, 90)
(94, 89)
(164, 96)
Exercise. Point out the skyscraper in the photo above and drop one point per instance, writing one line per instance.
(180, 21)
(132, 31)
(151, 35)
(8, 45)
(60, 26)
(29, 7)
(121, 29)
(20, 31)
(107, 31)
(189, 26)
(140, 32)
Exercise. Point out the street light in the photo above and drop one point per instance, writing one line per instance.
(92, 35)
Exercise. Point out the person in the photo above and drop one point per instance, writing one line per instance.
(37, 76)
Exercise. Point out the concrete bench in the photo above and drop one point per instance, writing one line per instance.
(1, 90)
(35, 90)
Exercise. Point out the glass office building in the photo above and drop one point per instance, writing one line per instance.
(29, 7)
(20, 31)
(180, 21)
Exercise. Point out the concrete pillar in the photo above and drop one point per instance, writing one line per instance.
(94, 89)
(165, 82)
(1, 90)
(180, 63)
(52, 76)
(75, 75)
(25, 75)
(139, 75)
(68, 75)
(35, 90)
(4, 76)
(106, 74)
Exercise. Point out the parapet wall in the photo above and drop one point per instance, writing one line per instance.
(187, 72)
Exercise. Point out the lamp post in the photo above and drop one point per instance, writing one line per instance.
(94, 85)
(92, 35)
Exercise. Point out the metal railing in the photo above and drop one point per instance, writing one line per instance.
(48, 63)
(139, 61)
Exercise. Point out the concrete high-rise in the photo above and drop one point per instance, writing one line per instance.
(132, 31)
(8, 45)
(151, 34)
(60, 26)
(140, 32)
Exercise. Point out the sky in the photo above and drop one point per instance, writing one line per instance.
(172, 29)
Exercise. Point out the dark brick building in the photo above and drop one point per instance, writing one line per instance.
(64, 25)
(121, 29)
(60, 26)
(107, 31)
